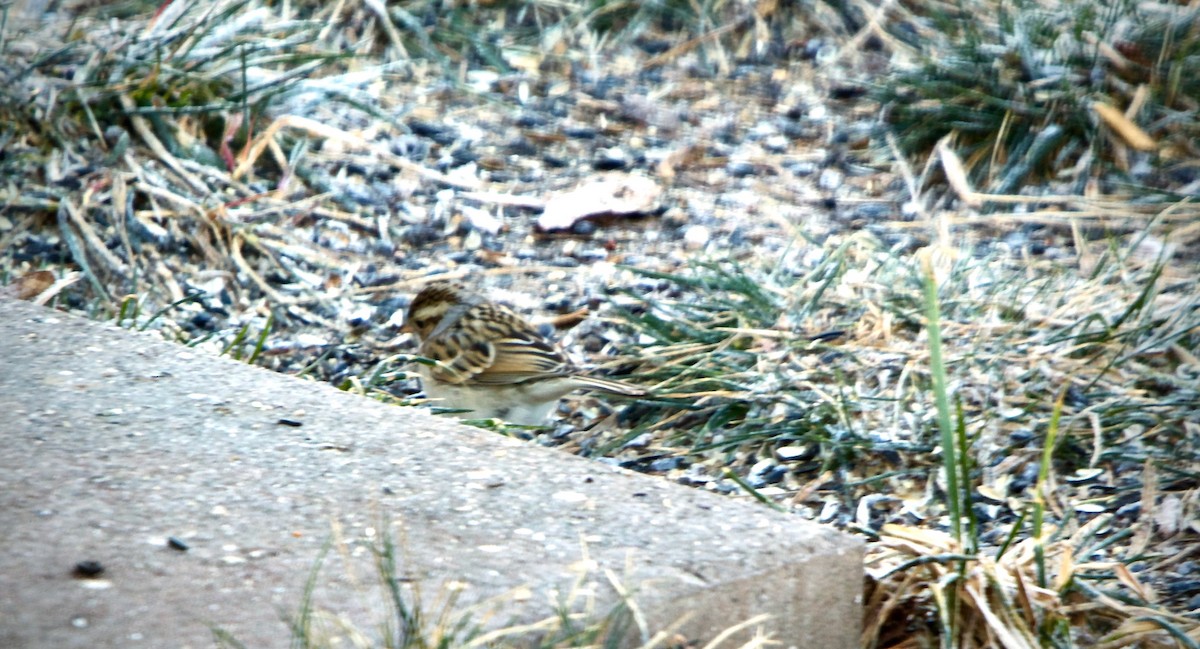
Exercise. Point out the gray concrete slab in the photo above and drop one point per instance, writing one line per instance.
(114, 442)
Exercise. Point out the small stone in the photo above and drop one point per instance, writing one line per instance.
(358, 193)
(830, 179)
(641, 441)
(1020, 437)
(203, 321)
(762, 466)
(1130, 511)
(793, 453)
(88, 569)
(113, 134)
(776, 143)
(435, 131)
(1085, 475)
(739, 168)
(696, 237)
(409, 146)
(580, 132)
(419, 235)
(803, 168)
(873, 211)
(610, 159)
(664, 464)
(530, 120)
(481, 80)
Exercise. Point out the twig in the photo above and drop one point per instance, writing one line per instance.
(235, 253)
(77, 251)
(691, 44)
(378, 8)
(93, 240)
(315, 128)
(54, 289)
(147, 134)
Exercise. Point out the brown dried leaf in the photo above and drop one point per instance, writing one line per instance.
(30, 285)
(615, 194)
(1131, 582)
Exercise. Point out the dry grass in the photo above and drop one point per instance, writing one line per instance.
(1082, 372)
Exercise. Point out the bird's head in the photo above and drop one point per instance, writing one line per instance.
(431, 306)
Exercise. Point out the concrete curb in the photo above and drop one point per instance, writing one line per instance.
(116, 442)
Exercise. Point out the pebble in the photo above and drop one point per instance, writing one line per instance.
(357, 193)
(610, 159)
(420, 235)
(580, 132)
(666, 464)
(792, 453)
(591, 255)
(802, 168)
(521, 146)
(651, 45)
(463, 155)
(530, 119)
(89, 569)
(437, 132)
(554, 161)
(410, 147)
(1130, 511)
(830, 179)
(760, 131)
(583, 227)
(696, 237)
(739, 168)
(1020, 437)
(203, 321)
(873, 211)
(776, 143)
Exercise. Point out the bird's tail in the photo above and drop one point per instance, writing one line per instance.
(610, 386)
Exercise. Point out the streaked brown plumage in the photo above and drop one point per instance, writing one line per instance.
(490, 361)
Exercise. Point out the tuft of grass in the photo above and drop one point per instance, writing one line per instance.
(191, 83)
(409, 622)
(1027, 91)
(993, 368)
(236, 349)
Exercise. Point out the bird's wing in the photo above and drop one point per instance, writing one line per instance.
(490, 345)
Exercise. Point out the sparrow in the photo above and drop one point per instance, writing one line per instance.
(491, 362)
